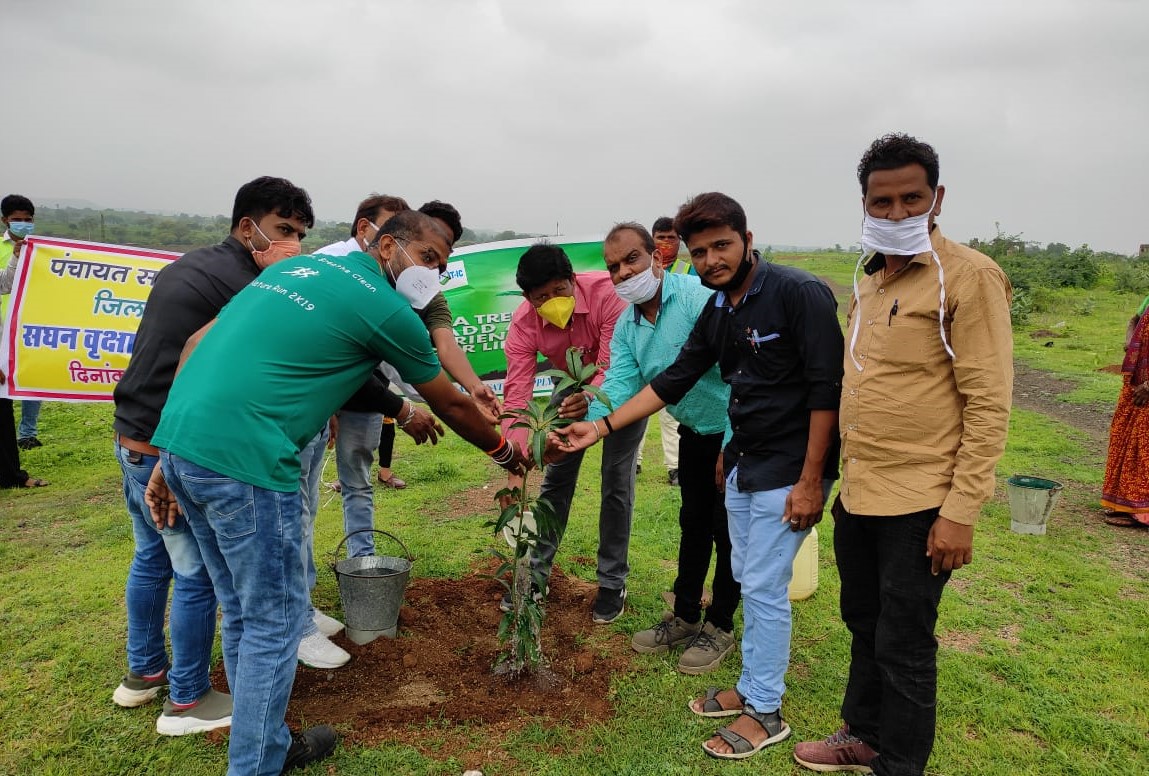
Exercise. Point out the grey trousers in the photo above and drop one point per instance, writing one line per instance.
(619, 457)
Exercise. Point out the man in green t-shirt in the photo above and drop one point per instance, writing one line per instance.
(284, 354)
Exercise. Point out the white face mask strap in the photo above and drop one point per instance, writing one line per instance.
(857, 312)
(942, 304)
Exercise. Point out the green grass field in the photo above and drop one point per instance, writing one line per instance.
(1044, 661)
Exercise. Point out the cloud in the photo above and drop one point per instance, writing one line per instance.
(526, 113)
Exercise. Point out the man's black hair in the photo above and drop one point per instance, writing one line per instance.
(445, 212)
(663, 224)
(13, 202)
(409, 225)
(894, 151)
(373, 205)
(265, 195)
(706, 211)
(542, 263)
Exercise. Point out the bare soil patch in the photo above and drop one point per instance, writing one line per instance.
(1038, 391)
(438, 672)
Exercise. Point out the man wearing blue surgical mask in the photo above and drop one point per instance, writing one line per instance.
(19, 222)
(925, 408)
(18, 212)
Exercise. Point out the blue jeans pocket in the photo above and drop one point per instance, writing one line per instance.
(228, 505)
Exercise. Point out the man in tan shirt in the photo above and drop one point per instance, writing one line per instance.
(925, 409)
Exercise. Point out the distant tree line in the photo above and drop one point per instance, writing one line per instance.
(182, 232)
(1034, 269)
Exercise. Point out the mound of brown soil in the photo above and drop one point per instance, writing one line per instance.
(439, 670)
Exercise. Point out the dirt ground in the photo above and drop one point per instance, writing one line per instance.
(438, 673)
(1036, 390)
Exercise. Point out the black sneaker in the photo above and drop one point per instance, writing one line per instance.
(27, 443)
(672, 477)
(310, 746)
(608, 605)
(506, 604)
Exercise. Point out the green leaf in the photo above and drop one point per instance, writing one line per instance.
(599, 394)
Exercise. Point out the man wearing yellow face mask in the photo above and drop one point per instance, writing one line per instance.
(563, 310)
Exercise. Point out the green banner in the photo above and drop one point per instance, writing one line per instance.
(483, 295)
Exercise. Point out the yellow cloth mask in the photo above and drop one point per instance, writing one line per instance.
(557, 310)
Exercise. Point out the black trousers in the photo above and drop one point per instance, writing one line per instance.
(11, 475)
(702, 519)
(889, 602)
(386, 445)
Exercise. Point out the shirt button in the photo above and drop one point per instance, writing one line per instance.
(862, 357)
(881, 290)
(851, 427)
(853, 460)
(870, 322)
(853, 392)
(740, 455)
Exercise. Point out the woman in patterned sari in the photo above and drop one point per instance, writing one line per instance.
(1125, 492)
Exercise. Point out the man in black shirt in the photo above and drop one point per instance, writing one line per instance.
(774, 333)
(269, 219)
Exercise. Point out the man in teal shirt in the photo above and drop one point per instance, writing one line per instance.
(284, 355)
(647, 339)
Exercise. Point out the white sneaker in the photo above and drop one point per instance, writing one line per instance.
(317, 651)
(328, 626)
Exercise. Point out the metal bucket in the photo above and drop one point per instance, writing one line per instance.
(371, 589)
(1031, 499)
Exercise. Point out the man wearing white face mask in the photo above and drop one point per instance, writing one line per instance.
(925, 409)
(647, 338)
(360, 426)
(230, 435)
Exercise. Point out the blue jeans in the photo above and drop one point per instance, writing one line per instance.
(251, 541)
(354, 454)
(311, 467)
(29, 419)
(619, 457)
(890, 602)
(762, 550)
(158, 557)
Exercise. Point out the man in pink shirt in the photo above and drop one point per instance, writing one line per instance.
(563, 310)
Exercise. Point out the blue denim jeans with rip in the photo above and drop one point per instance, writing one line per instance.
(354, 454)
(762, 550)
(158, 558)
(250, 539)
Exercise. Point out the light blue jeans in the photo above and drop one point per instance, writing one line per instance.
(354, 454)
(250, 538)
(158, 557)
(310, 469)
(29, 419)
(762, 559)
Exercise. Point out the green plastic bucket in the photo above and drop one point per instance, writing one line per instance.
(1031, 499)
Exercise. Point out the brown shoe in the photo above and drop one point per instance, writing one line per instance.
(669, 633)
(706, 651)
(840, 752)
(392, 482)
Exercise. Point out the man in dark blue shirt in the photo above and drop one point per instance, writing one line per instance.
(774, 333)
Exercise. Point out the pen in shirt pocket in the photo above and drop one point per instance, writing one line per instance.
(893, 312)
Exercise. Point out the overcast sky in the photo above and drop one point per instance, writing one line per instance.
(524, 113)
